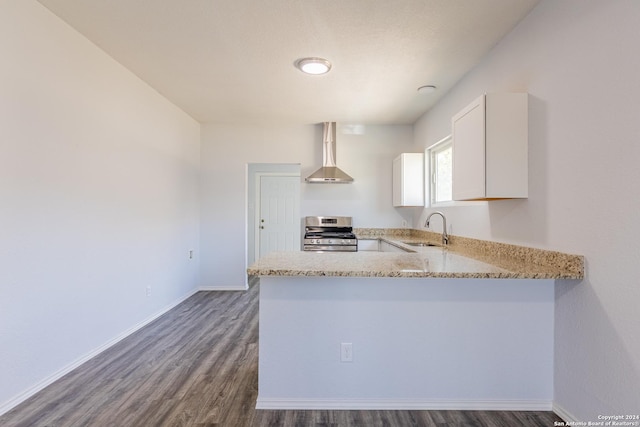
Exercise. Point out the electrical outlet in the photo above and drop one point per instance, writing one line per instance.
(191, 254)
(148, 291)
(405, 224)
(346, 352)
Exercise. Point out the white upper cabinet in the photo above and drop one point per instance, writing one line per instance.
(408, 180)
(490, 148)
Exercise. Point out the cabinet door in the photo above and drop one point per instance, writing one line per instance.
(408, 180)
(397, 182)
(468, 128)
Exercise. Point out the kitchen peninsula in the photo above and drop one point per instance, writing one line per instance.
(430, 329)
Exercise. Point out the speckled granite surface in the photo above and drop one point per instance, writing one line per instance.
(434, 263)
(463, 258)
(521, 260)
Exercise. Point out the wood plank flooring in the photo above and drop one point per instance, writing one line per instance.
(198, 366)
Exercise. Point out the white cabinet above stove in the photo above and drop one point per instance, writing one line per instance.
(408, 180)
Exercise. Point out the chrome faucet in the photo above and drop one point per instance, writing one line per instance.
(445, 236)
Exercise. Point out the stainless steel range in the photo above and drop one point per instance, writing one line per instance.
(329, 234)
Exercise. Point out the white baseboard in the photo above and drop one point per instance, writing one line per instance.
(223, 288)
(12, 403)
(564, 414)
(404, 404)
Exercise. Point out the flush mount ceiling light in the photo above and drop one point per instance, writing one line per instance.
(313, 65)
(427, 89)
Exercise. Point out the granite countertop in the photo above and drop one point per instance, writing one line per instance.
(462, 258)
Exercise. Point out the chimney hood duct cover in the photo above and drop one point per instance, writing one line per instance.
(329, 172)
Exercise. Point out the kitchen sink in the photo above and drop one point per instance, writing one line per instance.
(421, 244)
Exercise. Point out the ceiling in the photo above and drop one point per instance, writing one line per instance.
(231, 61)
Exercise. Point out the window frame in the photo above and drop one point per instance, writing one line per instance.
(430, 154)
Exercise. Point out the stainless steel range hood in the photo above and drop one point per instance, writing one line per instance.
(329, 173)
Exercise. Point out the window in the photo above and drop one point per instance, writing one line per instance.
(440, 171)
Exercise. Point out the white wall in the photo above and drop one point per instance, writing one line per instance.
(579, 62)
(98, 199)
(365, 153)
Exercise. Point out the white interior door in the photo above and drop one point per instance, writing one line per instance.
(279, 222)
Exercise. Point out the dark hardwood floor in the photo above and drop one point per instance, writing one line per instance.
(198, 366)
